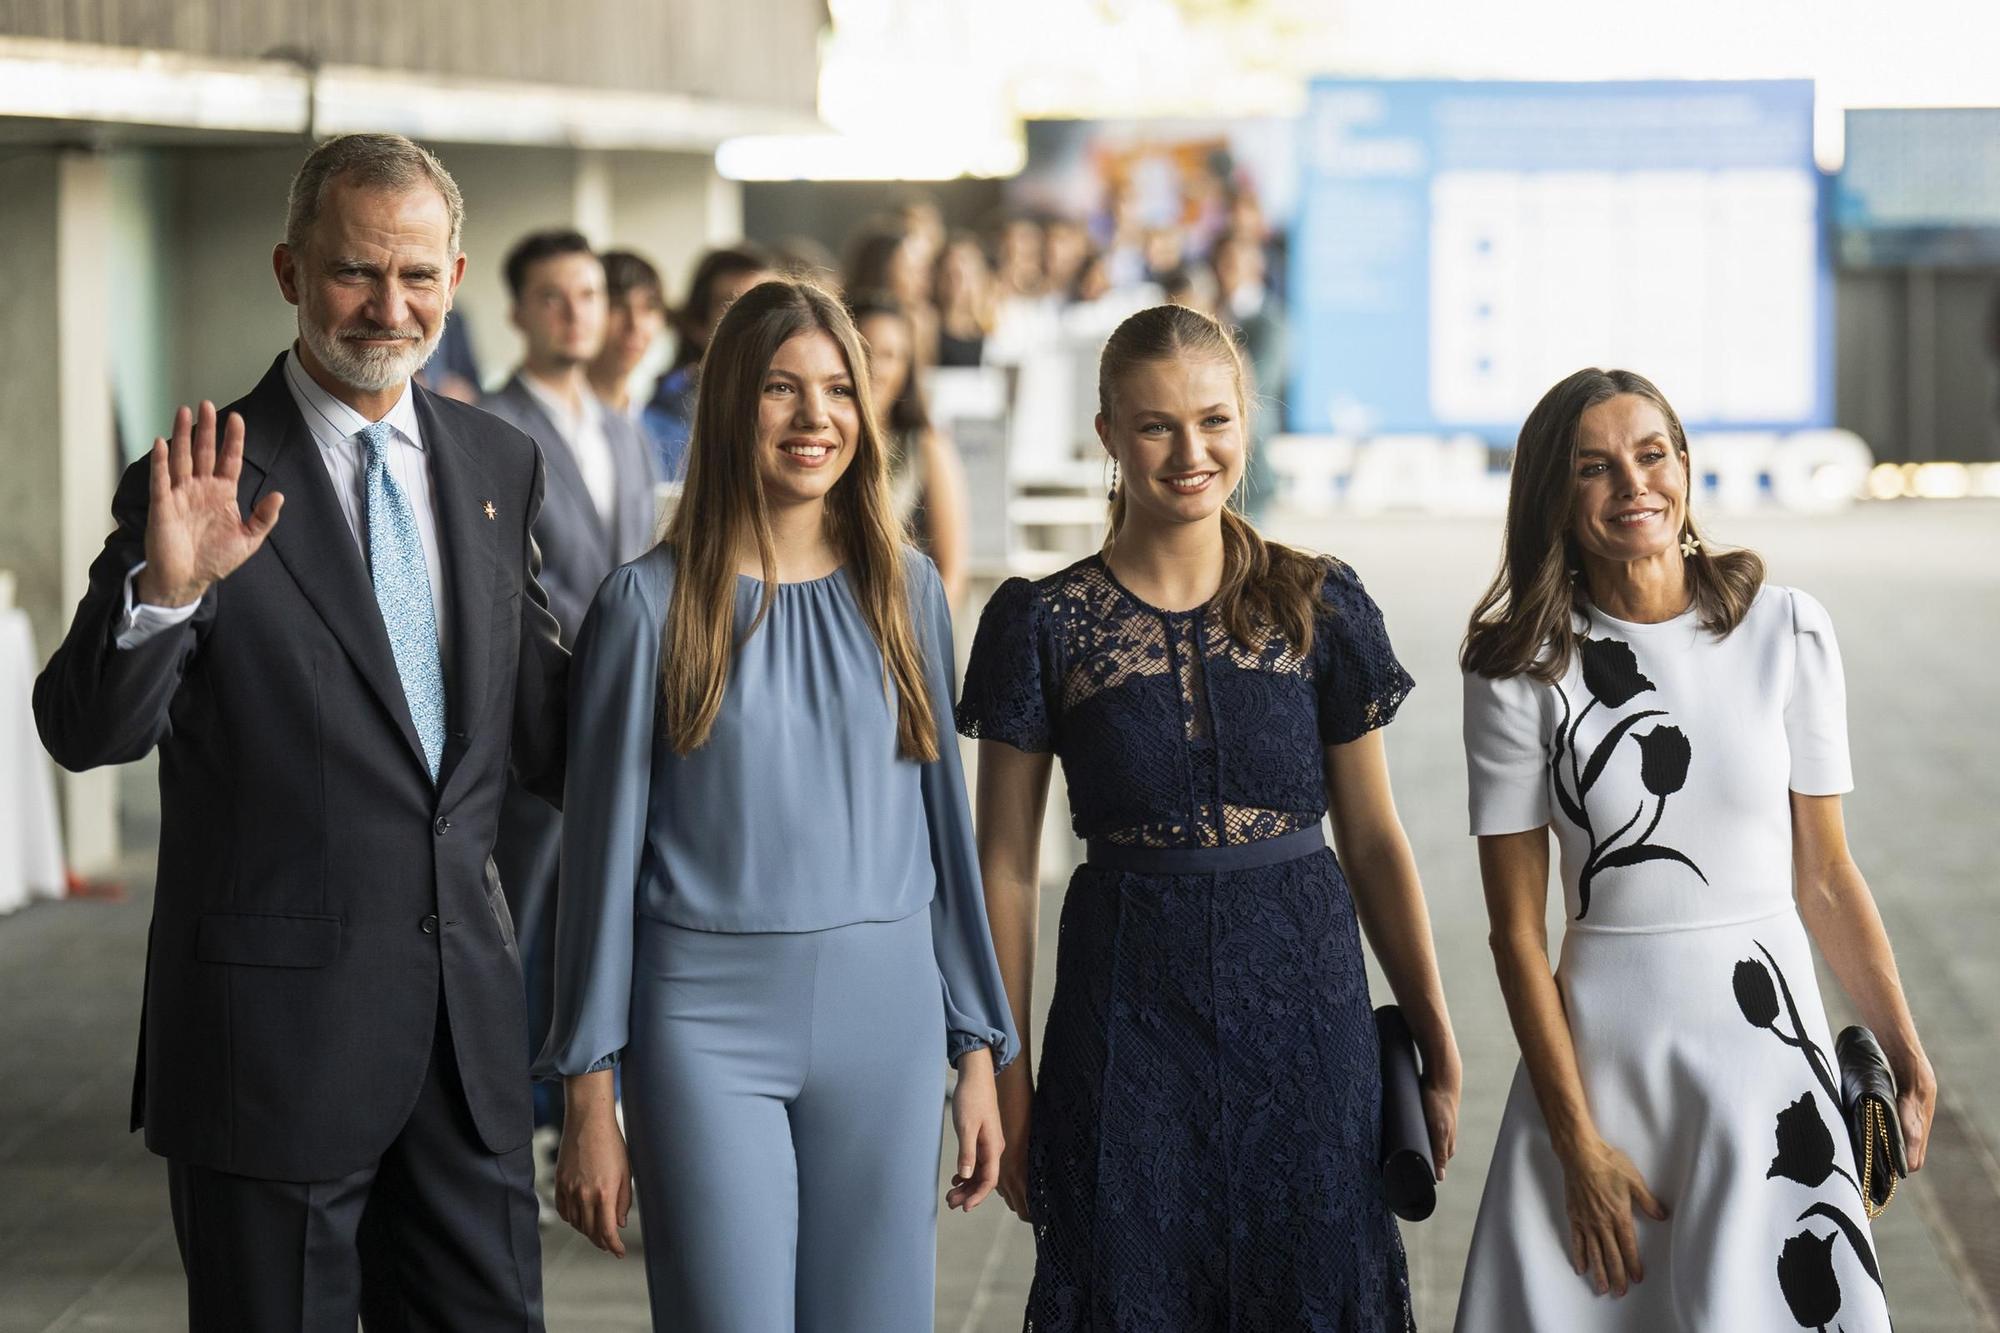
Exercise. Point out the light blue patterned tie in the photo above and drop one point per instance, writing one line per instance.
(403, 591)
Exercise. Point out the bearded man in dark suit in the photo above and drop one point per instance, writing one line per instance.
(332, 1046)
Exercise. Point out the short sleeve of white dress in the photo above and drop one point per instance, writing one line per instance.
(1506, 757)
(1816, 712)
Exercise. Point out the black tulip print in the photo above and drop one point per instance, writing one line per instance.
(1611, 673)
(1663, 760)
(1805, 1146)
(1808, 1153)
(1751, 977)
(1755, 995)
(1612, 677)
(1806, 1276)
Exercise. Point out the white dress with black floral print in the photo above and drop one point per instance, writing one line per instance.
(1663, 762)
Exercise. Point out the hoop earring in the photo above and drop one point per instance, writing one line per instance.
(1112, 494)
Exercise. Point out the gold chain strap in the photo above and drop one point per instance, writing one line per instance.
(1874, 1125)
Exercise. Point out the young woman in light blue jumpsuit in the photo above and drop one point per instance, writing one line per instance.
(778, 933)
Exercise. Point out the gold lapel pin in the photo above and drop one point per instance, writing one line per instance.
(491, 513)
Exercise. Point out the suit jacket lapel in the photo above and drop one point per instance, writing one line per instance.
(636, 506)
(559, 460)
(471, 542)
(316, 545)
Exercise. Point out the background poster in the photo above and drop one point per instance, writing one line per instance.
(1462, 246)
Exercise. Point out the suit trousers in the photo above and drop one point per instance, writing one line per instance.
(783, 1097)
(438, 1234)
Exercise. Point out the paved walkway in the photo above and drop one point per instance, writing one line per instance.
(1915, 592)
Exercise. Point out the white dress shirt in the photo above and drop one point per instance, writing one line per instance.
(583, 432)
(333, 426)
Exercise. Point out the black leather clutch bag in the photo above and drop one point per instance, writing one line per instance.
(1409, 1178)
(1868, 1101)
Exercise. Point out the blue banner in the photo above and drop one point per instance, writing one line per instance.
(1462, 246)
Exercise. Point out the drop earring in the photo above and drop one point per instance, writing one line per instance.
(1112, 494)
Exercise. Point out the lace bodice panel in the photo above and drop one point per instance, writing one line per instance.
(1171, 733)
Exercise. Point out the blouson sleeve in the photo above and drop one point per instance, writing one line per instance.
(614, 689)
(1361, 684)
(1506, 757)
(1816, 712)
(1006, 686)
(975, 1000)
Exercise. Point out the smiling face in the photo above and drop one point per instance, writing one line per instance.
(1177, 432)
(1631, 482)
(808, 420)
(373, 283)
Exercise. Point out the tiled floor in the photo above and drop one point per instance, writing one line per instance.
(1915, 593)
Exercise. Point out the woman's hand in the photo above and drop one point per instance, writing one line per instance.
(1916, 1105)
(1440, 1086)
(975, 1115)
(1017, 1099)
(593, 1176)
(1601, 1187)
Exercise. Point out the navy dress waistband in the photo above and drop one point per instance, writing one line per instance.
(1102, 855)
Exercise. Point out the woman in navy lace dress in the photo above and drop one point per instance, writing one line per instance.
(1201, 1150)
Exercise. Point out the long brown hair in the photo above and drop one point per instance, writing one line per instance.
(1264, 585)
(722, 507)
(1525, 622)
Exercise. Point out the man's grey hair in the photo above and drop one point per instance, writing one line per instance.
(381, 161)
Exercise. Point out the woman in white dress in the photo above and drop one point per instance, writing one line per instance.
(1673, 1155)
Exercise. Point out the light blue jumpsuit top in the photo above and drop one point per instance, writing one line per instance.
(796, 815)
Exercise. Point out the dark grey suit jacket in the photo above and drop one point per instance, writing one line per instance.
(578, 547)
(318, 896)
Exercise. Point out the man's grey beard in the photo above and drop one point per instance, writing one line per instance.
(370, 370)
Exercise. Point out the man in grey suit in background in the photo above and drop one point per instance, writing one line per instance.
(598, 513)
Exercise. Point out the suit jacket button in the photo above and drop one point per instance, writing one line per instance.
(429, 925)
(440, 825)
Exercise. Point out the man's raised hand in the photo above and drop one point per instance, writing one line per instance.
(195, 530)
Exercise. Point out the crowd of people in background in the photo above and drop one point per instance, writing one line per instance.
(931, 296)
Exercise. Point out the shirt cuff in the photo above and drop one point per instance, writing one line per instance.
(142, 622)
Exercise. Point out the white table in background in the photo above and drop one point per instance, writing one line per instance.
(31, 856)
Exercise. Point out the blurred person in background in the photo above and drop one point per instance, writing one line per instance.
(1017, 259)
(635, 317)
(453, 369)
(1187, 285)
(1247, 220)
(1245, 302)
(330, 1051)
(1678, 726)
(720, 276)
(1198, 1149)
(926, 478)
(883, 258)
(1121, 233)
(964, 288)
(1065, 248)
(1092, 281)
(923, 221)
(806, 259)
(597, 513)
(772, 919)
(1164, 251)
(599, 509)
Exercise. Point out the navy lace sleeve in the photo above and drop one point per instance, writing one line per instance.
(1006, 695)
(1361, 684)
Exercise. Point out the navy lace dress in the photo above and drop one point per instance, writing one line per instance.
(1203, 1148)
